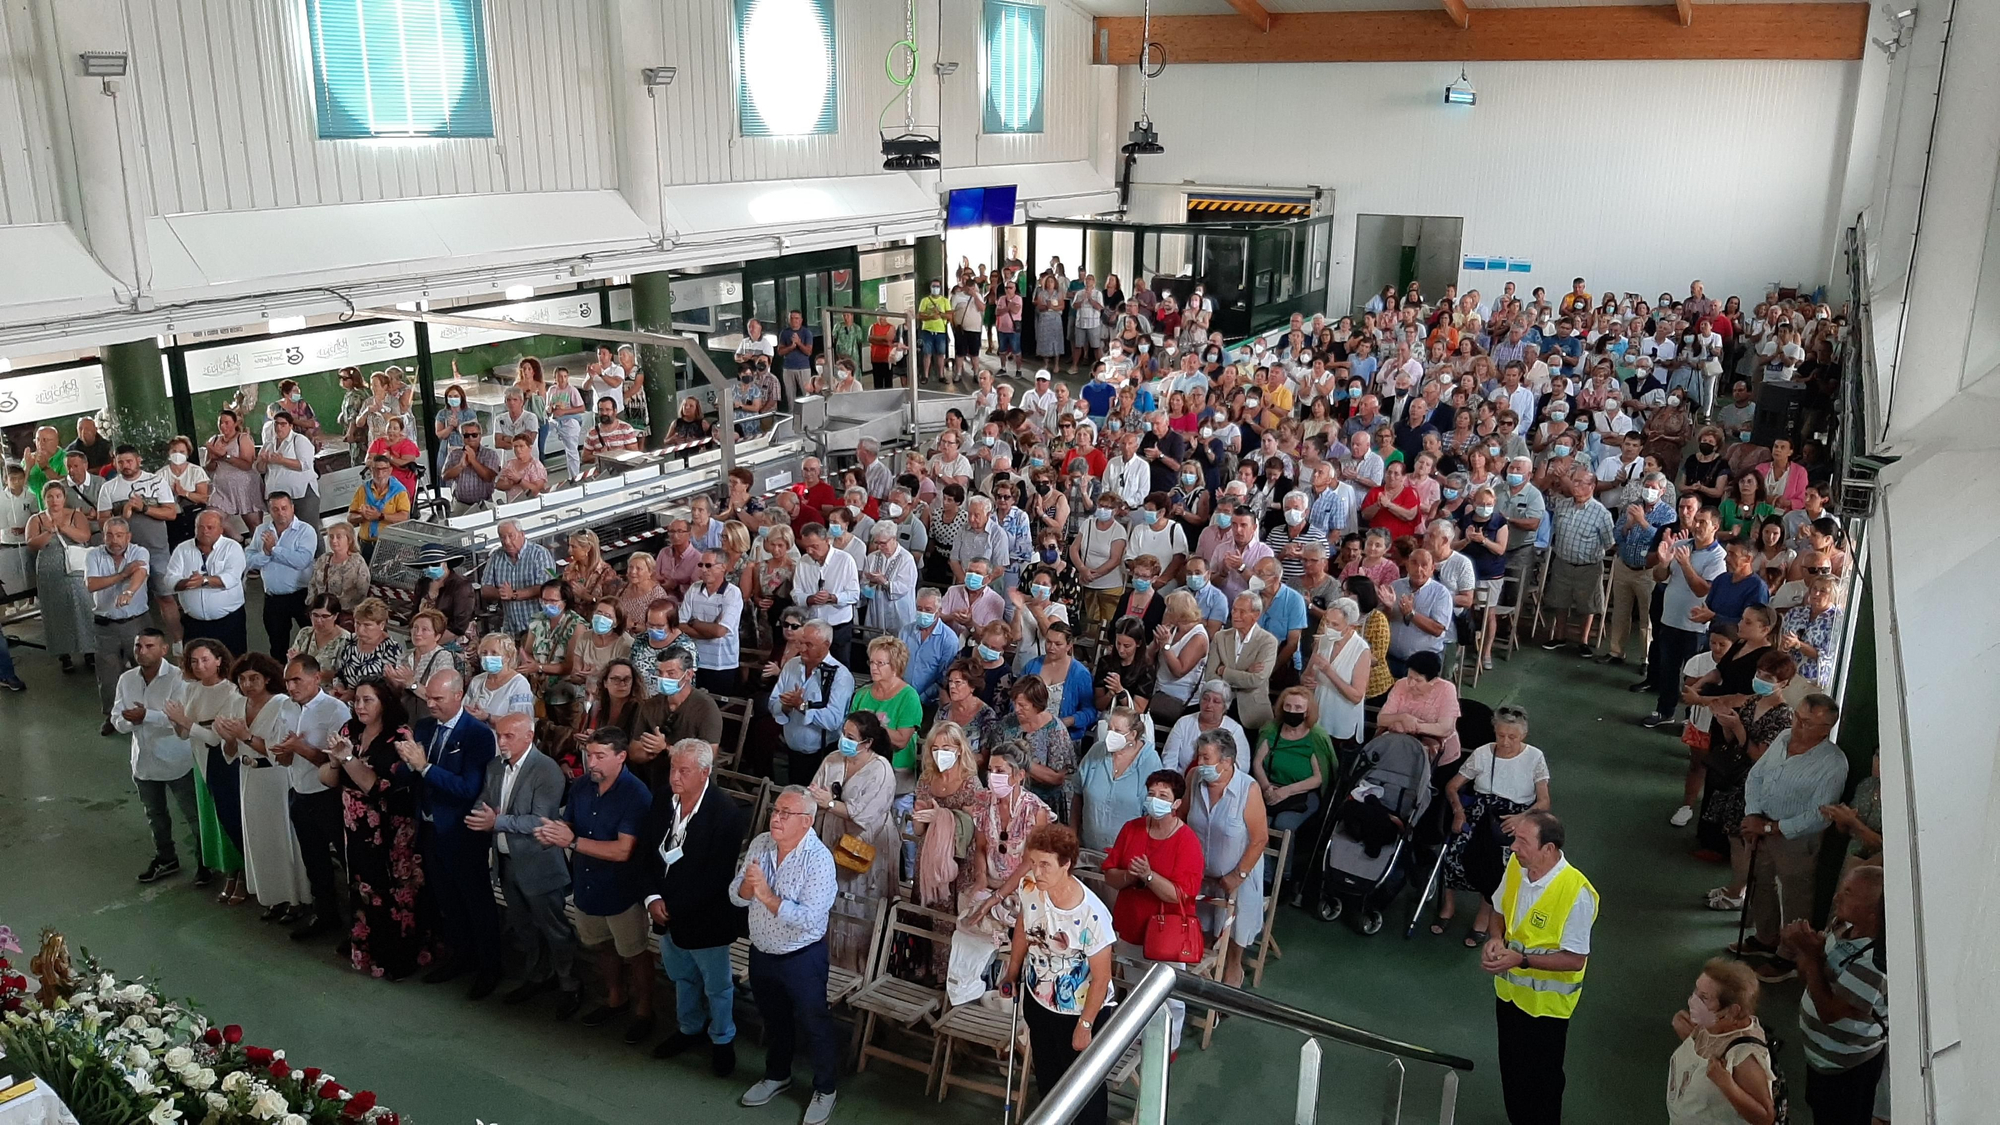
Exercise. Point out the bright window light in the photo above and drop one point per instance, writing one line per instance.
(1013, 67)
(399, 68)
(785, 67)
(520, 292)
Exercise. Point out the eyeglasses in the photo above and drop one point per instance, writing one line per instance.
(789, 626)
(778, 814)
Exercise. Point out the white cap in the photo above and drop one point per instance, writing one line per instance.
(1041, 375)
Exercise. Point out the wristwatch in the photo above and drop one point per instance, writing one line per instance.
(1085, 1024)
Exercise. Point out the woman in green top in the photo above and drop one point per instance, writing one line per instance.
(889, 696)
(1292, 761)
(848, 337)
(1741, 513)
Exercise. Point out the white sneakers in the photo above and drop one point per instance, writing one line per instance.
(763, 1092)
(1718, 899)
(818, 1112)
(1681, 816)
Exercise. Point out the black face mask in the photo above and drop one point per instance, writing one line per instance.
(1295, 718)
(1042, 487)
(1707, 447)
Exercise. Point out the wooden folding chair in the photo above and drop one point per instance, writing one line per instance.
(978, 1025)
(1279, 851)
(886, 1002)
(735, 731)
(1213, 958)
(866, 929)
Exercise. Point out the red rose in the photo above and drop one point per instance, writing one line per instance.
(232, 1035)
(388, 1119)
(360, 1103)
(212, 1037)
(5, 964)
(258, 1056)
(330, 1090)
(279, 1068)
(10, 1004)
(312, 1074)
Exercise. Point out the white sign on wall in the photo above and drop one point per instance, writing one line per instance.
(258, 361)
(571, 310)
(706, 290)
(51, 394)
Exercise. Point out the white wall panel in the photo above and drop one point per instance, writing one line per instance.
(223, 97)
(29, 191)
(1723, 171)
(1069, 105)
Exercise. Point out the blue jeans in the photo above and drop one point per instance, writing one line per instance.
(790, 990)
(701, 976)
(6, 659)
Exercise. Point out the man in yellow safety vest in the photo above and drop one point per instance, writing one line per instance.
(1537, 956)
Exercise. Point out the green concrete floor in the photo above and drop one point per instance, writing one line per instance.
(73, 835)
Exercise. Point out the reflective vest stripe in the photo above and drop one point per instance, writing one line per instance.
(1540, 992)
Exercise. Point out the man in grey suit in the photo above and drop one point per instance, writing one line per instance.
(523, 786)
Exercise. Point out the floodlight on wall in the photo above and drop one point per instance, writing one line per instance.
(1904, 20)
(1461, 91)
(945, 69)
(102, 64)
(657, 77)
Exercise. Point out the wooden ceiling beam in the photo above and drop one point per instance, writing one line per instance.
(1686, 10)
(1812, 31)
(1462, 17)
(1258, 17)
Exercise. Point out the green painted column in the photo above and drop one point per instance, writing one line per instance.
(136, 408)
(653, 311)
(930, 263)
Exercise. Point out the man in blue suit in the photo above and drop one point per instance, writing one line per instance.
(447, 755)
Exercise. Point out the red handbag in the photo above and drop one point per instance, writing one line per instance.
(1174, 938)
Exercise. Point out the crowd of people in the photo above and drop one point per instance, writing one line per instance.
(1142, 627)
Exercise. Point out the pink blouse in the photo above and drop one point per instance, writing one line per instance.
(1435, 702)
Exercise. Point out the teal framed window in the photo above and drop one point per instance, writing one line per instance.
(1014, 68)
(787, 77)
(399, 68)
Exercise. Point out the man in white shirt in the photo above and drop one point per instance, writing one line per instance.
(288, 465)
(606, 378)
(116, 573)
(206, 573)
(146, 502)
(311, 719)
(710, 611)
(1513, 394)
(162, 761)
(1041, 401)
(827, 583)
(1128, 476)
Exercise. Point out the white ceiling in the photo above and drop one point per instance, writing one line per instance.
(1221, 7)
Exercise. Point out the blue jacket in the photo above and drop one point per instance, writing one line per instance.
(1079, 697)
(451, 786)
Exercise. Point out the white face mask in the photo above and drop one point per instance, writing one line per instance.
(1699, 1013)
(1257, 584)
(945, 759)
(177, 458)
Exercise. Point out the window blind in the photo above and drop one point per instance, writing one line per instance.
(399, 68)
(787, 77)
(1014, 70)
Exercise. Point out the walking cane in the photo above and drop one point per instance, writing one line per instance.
(1749, 893)
(1013, 1039)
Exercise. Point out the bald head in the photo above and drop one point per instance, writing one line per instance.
(444, 694)
(515, 734)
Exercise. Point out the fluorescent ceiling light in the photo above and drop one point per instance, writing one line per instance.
(520, 292)
(793, 205)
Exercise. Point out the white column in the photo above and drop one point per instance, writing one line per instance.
(636, 43)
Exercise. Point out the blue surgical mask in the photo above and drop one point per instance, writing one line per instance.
(1222, 519)
(1560, 449)
(1159, 808)
(987, 440)
(849, 747)
(1762, 686)
(1515, 479)
(1150, 516)
(433, 572)
(1197, 582)
(655, 635)
(551, 610)
(1113, 426)
(1450, 493)
(763, 531)
(1050, 554)
(836, 529)
(1142, 584)
(492, 662)
(975, 581)
(925, 620)
(1208, 773)
(601, 624)
(1190, 478)
(1036, 462)
(988, 653)
(1340, 394)
(1040, 590)
(669, 686)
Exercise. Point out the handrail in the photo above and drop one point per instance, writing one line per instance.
(1235, 1001)
(1091, 1068)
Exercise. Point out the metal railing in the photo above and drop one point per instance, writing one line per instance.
(1142, 1017)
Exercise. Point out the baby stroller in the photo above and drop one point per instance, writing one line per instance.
(1364, 846)
(1475, 729)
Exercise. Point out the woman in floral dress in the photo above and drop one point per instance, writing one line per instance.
(385, 873)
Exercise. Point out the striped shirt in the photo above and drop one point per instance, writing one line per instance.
(1582, 531)
(1853, 976)
(533, 567)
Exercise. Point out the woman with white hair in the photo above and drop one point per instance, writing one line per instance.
(1211, 713)
(888, 581)
(1508, 777)
(1337, 672)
